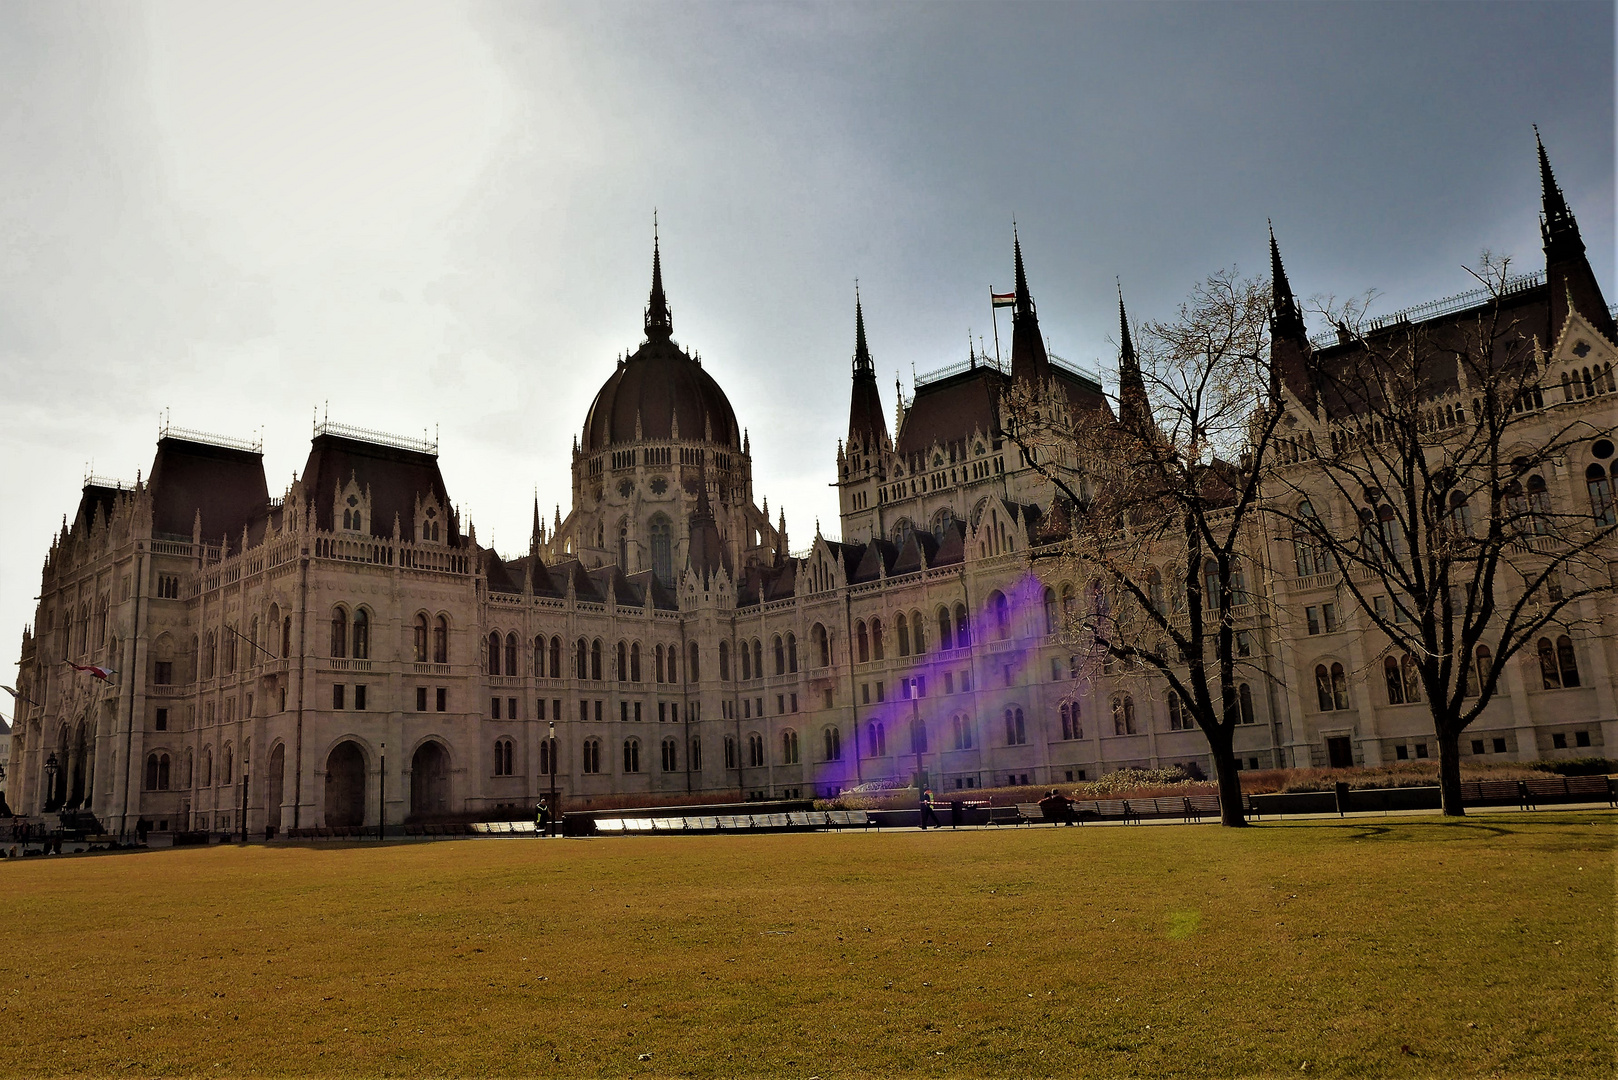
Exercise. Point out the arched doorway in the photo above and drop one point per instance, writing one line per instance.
(275, 787)
(345, 786)
(429, 780)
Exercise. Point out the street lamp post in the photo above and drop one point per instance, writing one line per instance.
(382, 791)
(50, 783)
(553, 808)
(244, 802)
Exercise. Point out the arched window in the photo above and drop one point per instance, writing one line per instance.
(1516, 506)
(1481, 660)
(1323, 688)
(789, 747)
(1123, 715)
(539, 657)
(834, 744)
(511, 654)
(207, 767)
(662, 550)
(877, 739)
(1211, 600)
(631, 755)
(286, 636)
(747, 662)
(918, 735)
(362, 635)
(227, 773)
(209, 652)
(621, 669)
(1602, 506)
(945, 638)
(581, 661)
(792, 654)
(822, 645)
(918, 635)
(1460, 513)
(693, 672)
(1070, 716)
(1539, 506)
(1100, 607)
(1412, 679)
(1053, 621)
(1002, 613)
(1304, 548)
(339, 632)
(1396, 685)
(902, 629)
(755, 750)
(595, 660)
(780, 655)
(545, 757)
(623, 546)
(1370, 537)
(1154, 590)
(1339, 687)
(419, 640)
(876, 639)
(556, 657)
(503, 753)
(732, 758)
(1245, 692)
(862, 643)
(670, 760)
(1179, 715)
(592, 756)
(230, 648)
(634, 662)
(1016, 731)
(441, 641)
(657, 662)
(673, 655)
(1567, 662)
(724, 661)
(151, 772)
(963, 631)
(962, 726)
(494, 652)
(1550, 674)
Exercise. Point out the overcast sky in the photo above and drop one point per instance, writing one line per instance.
(438, 216)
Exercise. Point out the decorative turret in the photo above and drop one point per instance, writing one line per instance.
(867, 427)
(705, 554)
(1028, 359)
(1567, 269)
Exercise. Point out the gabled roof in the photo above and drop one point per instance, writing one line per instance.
(951, 409)
(610, 581)
(877, 559)
(917, 544)
(663, 598)
(583, 585)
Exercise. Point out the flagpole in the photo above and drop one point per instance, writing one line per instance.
(994, 317)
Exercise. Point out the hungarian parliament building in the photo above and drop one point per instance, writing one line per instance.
(346, 654)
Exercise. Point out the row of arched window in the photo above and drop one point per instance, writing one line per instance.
(954, 632)
(158, 770)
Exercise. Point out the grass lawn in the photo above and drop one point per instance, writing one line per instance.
(1396, 947)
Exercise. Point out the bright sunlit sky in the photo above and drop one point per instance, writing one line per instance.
(438, 216)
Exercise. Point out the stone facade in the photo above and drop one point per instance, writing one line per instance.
(347, 651)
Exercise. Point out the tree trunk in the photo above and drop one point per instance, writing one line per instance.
(1230, 780)
(1449, 772)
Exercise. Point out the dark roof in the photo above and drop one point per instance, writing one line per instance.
(610, 580)
(877, 559)
(499, 576)
(951, 409)
(583, 585)
(952, 548)
(663, 597)
(660, 384)
(543, 585)
(97, 499)
(916, 545)
(395, 477)
(225, 484)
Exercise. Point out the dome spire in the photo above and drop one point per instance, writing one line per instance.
(659, 323)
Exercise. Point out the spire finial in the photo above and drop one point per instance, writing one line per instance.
(659, 323)
(1287, 318)
(1024, 301)
(1127, 353)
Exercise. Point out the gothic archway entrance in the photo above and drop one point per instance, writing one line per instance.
(429, 780)
(345, 786)
(275, 787)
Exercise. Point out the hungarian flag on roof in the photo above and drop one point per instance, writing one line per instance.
(104, 674)
(1002, 299)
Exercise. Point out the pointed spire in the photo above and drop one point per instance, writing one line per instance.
(862, 352)
(1133, 407)
(1028, 359)
(659, 323)
(536, 535)
(1573, 284)
(866, 424)
(1287, 318)
(1289, 341)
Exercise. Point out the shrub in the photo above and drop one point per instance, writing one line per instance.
(1579, 766)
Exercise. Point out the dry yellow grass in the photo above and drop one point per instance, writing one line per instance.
(1401, 947)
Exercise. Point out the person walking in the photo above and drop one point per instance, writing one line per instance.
(927, 812)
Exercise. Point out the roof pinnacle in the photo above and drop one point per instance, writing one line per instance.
(659, 323)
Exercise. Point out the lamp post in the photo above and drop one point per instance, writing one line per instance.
(244, 802)
(381, 791)
(551, 738)
(50, 783)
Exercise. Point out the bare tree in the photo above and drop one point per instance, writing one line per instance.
(1429, 500)
(1175, 502)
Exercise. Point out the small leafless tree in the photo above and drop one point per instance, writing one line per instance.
(1163, 521)
(1428, 503)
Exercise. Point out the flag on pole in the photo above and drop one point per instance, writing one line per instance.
(1002, 299)
(104, 674)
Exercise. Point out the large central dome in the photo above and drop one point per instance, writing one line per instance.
(660, 393)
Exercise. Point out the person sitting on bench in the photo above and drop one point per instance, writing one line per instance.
(1057, 807)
